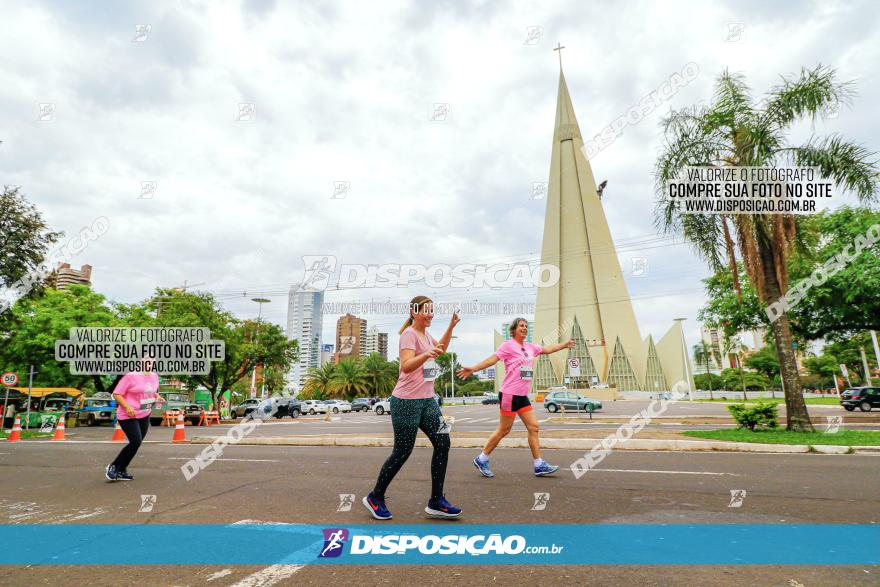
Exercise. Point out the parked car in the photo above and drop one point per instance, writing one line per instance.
(245, 408)
(96, 411)
(313, 406)
(337, 405)
(173, 401)
(361, 404)
(490, 399)
(864, 398)
(288, 406)
(383, 406)
(554, 400)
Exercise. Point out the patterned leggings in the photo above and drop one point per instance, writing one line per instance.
(407, 417)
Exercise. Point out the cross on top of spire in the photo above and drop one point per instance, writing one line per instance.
(559, 47)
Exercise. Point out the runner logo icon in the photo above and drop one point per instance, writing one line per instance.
(334, 541)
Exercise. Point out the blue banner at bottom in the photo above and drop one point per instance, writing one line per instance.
(532, 544)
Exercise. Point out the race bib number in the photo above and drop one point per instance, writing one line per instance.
(148, 403)
(525, 373)
(429, 370)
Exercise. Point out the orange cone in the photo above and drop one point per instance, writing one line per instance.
(118, 434)
(179, 431)
(59, 429)
(15, 435)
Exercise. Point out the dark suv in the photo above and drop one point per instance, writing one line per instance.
(288, 407)
(863, 397)
(360, 404)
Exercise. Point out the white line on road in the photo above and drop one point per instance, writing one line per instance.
(663, 472)
(239, 460)
(269, 576)
(219, 574)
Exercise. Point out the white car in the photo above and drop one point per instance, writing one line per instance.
(383, 406)
(337, 405)
(313, 406)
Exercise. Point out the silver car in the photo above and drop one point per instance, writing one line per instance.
(313, 406)
(337, 405)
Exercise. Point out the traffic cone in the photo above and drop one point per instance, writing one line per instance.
(118, 434)
(59, 429)
(179, 431)
(15, 435)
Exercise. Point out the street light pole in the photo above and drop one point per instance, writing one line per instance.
(260, 301)
(452, 367)
(687, 372)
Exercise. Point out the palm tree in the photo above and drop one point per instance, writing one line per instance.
(349, 379)
(319, 383)
(702, 355)
(381, 375)
(735, 131)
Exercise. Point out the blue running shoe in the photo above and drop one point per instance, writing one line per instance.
(442, 509)
(484, 468)
(377, 507)
(545, 469)
(111, 473)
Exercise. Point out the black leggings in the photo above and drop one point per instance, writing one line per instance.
(135, 430)
(407, 417)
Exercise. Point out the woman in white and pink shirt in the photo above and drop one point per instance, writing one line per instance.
(135, 394)
(518, 356)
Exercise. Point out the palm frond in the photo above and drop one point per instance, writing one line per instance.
(850, 165)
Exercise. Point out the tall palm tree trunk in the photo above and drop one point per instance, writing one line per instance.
(795, 406)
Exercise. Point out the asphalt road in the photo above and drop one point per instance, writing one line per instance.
(43, 482)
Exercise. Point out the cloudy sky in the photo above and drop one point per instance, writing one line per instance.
(346, 92)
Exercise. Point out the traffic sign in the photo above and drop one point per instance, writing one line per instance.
(9, 379)
(574, 367)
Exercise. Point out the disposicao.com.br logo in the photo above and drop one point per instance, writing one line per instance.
(397, 544)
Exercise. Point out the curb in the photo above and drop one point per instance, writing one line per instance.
(584, 444)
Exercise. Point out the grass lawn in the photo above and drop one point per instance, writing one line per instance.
(4, 434)
(782, 436)
(733, 397)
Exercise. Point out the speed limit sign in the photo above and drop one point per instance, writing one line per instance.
(9, 379)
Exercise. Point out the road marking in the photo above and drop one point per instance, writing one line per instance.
(239, 460)
(664, 472)
(269, 576)
(219, 574)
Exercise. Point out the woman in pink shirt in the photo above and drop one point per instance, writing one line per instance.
(518, 356)
(413, 407)
(135, 394)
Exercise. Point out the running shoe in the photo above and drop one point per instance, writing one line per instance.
(485, 471)
(442, 508)
(111, 473)
(124, 476)
(545, 469)
(377, 507)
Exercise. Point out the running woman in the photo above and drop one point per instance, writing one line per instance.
(135, 395)
(414, 407)
(518, 356)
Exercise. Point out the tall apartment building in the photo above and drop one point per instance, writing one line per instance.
(65, 276)
(375, 342)
(351, 334)
(304, 322)
(714, 338)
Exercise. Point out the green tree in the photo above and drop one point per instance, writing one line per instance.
(349, 379)
(26, 238)
(764, 361)
(709, 381)
(319, 382)
(380, 374)
(736, 131)
(703, 358)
